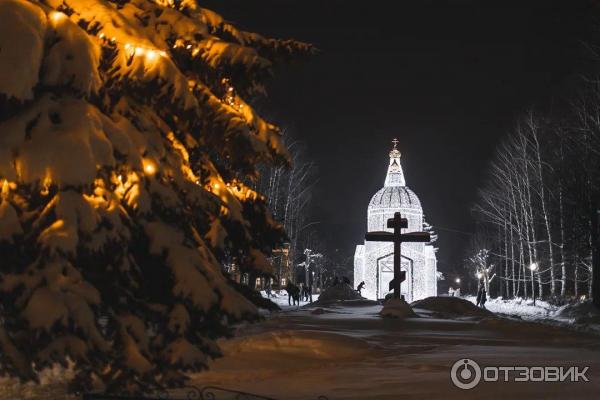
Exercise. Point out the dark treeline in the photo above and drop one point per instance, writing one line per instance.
(538, 211)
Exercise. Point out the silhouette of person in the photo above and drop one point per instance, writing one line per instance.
(360, 287)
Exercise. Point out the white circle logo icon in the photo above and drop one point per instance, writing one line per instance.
(465, 373)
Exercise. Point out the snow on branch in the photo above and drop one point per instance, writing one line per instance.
(126, 159)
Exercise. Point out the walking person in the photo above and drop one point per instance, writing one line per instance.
(483, 298)
(305, 292)
(301, 291)
(360, 287)
(268, 289)
(293, 294)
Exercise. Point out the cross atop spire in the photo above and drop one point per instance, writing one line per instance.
(395, 153)
(395, 176)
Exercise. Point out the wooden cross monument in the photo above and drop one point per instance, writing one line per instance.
(397, 223)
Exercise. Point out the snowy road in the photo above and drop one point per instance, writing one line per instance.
(349, 352)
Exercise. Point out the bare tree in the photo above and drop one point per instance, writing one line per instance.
(288, 195)
(540, 204)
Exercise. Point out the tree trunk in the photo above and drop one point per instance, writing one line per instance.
(512, 260)
(576, 281)
(563, 265)
(595, 243)
(544, 212)
(506, 281)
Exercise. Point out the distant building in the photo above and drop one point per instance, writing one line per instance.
(374, 261)
(282, 266)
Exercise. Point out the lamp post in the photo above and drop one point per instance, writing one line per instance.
(457, 291)
(532, 268)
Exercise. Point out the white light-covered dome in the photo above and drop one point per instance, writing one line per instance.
(395, 197)
(374, 261)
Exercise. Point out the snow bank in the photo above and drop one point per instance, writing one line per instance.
(341, 292)
(523, 308)
(309, 344)
(445, 307)
(580, 316)
(397, 308)
(52, 384)
(580, 313)
(509, 327)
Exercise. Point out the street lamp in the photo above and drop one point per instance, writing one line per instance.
(533, 267)
(457, 280)
(479, 275)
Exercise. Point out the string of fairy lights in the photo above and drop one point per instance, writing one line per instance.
(149, 167)
(153, 54)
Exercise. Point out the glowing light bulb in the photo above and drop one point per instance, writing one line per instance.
(216, 185)
(533, 266)
(57, 16)
(101, 35)
(5, 188)
(149, 167)
(151, 55)
(139, 51)
(46, 185)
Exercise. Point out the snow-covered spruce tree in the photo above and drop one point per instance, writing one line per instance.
(125, 147)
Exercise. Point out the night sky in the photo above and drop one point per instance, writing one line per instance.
(447, 78)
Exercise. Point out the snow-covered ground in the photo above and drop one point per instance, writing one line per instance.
(348, 351)
(52, 386)
(579, 316)
(518, 307)
(280, 298)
